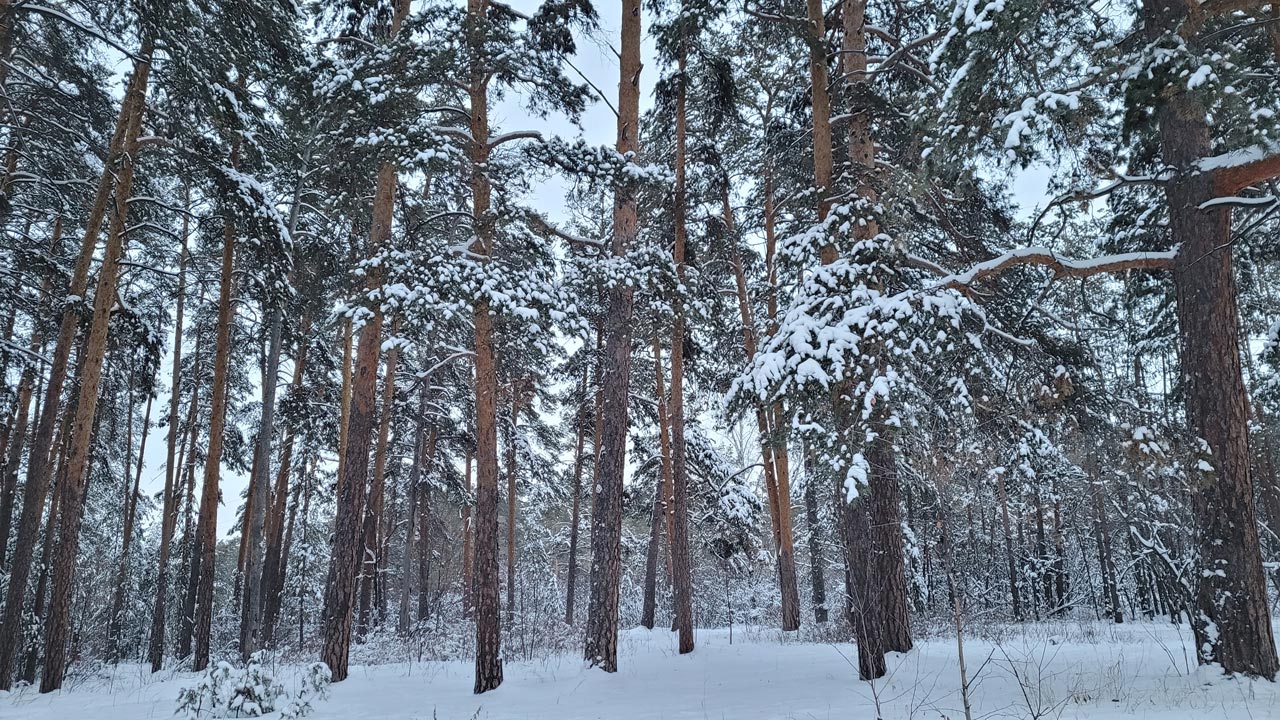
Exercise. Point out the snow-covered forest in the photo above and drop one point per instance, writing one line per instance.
(639, 358)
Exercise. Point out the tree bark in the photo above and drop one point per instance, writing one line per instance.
(251, 608)
(373, 516)
(42, 583)
(339, 594)
(888, 578)
(468, 552)
(169, 518)
(601, 646)
(404, 621)
(817, 559)
(424, 533)
(17, 432)
(276, 555)
(1010, 559)
(575, 510)
(38, 465)
(1232, 587)
(1102, 538)
(575, 526)
(58, 625)
(681, 572)
(126, 542)
(659, 511)
(348, 543)
(211, 495)
(488, 631)
(773, 453)
(190, 560)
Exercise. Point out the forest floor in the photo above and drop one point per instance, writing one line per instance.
(1047, 670)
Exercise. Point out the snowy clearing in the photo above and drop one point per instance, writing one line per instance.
(1048, 670)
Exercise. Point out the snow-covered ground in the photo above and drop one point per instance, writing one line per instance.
(1068, 670)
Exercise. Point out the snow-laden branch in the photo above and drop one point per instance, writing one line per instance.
(1240, 169)
(450, 109)
(32, 356)
(508, 137)
(1236, 201)
(1061, 266)
(55, 14)
(542, 225)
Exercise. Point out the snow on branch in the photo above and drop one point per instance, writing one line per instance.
(1062, 267)
(1240, 169)
(542, 225)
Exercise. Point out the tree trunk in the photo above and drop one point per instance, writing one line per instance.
(817, 559)
(276, 556)
(1232, 588)
(251, 608)
(888, 571)
(773, 453)
(488, 632)
(468, 578)
(126, 543)
(344, 414)
(884, 505)
(42, 583)
(659, 512)
(601, 646)
(17, 432)
(169, 518)
(210, 495)
(415, 488)
(516, 401)
(424, 534)
(574, 512)
(348, 542)
(574, 529)
(339, 594)
(1010, 560)
(862, 606)
(1103, 540)
(1060, 582)
(36, 487)
(371, 557)
(190, 560)
(58, 625)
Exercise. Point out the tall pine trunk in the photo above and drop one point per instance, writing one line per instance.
(126, 540)
(681, 572)
(203, 558)
(571, 581)
(348, 541)
(39, 471)
(251, 607)
(773, 450)
(1231, 598)
(344, 565)
(169, 501)
(373, 516)
(601, 646)
(276, 557)
(817, 559)
(575, 510)
(58, 624)
(488, 631)
(648, 608)
(17, 432)
(404, 621)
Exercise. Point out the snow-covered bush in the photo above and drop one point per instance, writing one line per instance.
(314, 685)
(225, 691)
